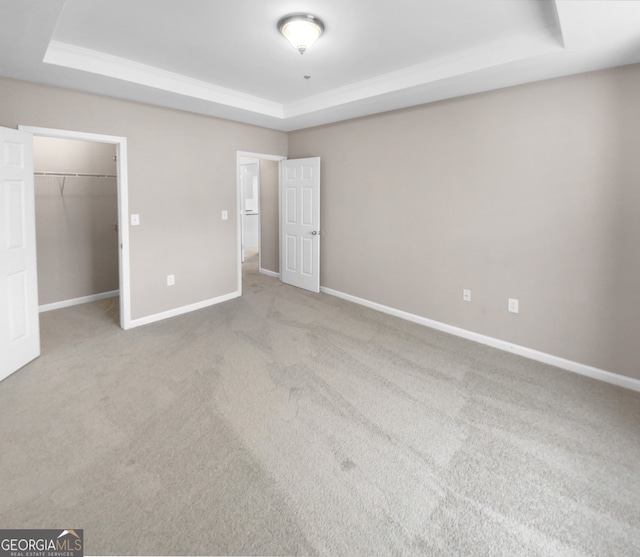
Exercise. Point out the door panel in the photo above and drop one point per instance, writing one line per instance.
(292, 206)
(19, 324)
(300, 210)
(307, 206)
(307, 260)
(17, 294)
(291, 254)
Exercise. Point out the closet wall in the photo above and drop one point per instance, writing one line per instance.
(76, 218)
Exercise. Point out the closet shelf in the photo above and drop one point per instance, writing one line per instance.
(65, 175)
(73, 174)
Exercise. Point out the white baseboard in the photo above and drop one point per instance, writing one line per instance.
(78, 301)
(181, 310)
(269, 273)
(582, 369)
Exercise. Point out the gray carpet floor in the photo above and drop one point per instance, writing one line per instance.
(288, 423)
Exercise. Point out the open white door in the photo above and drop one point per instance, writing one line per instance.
(19, 323)
(300, 223)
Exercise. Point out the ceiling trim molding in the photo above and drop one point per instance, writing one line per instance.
(93, 61)
(470, 60)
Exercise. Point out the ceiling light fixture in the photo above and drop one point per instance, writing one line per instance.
(301, 30)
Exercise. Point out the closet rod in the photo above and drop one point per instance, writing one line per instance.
(74, 174)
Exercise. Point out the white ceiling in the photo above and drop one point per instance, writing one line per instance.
(227, 59)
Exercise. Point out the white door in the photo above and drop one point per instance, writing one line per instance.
(19, 324)
(300, 223)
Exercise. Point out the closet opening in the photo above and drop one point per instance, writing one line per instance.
(76, 203)
(81, 211)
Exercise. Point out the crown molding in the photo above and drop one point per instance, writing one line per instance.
(489, 55)
(93, 61)
(467, 61)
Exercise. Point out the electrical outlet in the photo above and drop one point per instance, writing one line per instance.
(171, 280)
(513, 305)
(466, 295)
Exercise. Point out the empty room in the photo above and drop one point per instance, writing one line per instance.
(319, 277)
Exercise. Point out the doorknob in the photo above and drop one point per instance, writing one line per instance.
(315, 232)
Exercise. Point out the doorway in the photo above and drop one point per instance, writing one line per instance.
(258, 197)
(120, 227)
(76, 202)
(250, 207)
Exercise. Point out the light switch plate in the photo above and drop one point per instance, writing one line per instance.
(225, 215)
(135, 220)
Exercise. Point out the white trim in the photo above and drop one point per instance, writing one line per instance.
(279, 220)
(239, 221)
(93, 61)
(249, 155)
(575, 367)
(269, 273)
(184, 309)
(123, 205)
(490, 55)
(462, 63)
(259, 156)
(78, 301)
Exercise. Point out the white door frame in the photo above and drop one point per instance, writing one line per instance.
(123, 205)
(243, 209)
(259, 156)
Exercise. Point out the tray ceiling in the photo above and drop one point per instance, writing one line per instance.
(228, 59)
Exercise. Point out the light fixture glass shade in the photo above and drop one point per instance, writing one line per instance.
(301, 30)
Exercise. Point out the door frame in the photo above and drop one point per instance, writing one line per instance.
(123, 205)
(259, 156)
(243, 210)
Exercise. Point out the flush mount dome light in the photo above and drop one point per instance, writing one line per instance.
(301, 30)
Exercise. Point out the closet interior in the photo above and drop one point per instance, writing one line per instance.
(76, 201)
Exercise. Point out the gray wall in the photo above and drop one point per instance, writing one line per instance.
(269, 214)
(530, 192)
(77, 245)
(51, 154)
(182, 174)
